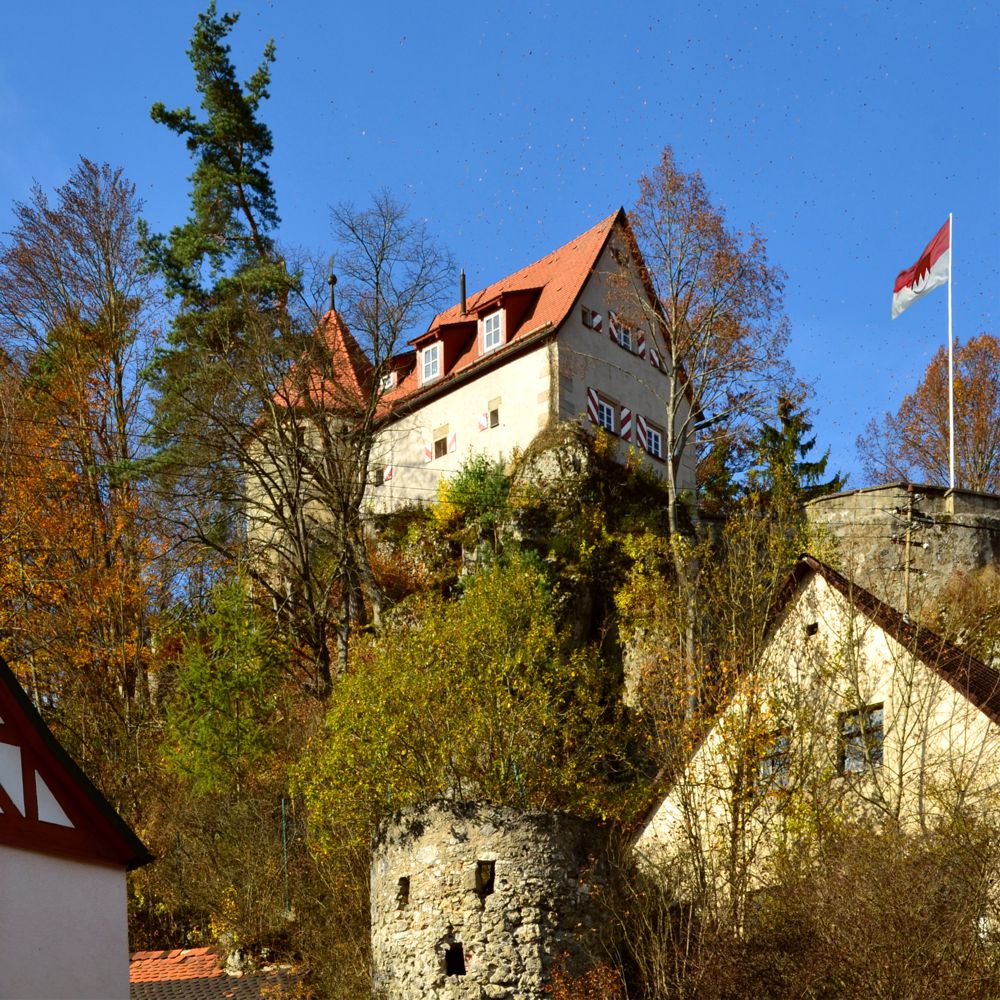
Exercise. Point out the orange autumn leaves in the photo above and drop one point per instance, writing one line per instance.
(75, 566)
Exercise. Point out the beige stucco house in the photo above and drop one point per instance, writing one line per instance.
(853, 711)
(541, 345)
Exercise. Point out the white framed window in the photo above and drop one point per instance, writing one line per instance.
(387, 381)
(431, 358)
(606, 414)
(626, 337)
(654, 441)
(862, 732)
(494, 413)
(492, 331)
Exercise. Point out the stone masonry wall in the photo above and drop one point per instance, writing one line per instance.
(476, 900)
(953, 531)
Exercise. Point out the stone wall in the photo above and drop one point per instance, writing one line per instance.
(477, 900)
(952, 531)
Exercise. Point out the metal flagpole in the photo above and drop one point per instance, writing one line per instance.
(951, 363)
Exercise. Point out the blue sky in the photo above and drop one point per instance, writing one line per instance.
(844, 132)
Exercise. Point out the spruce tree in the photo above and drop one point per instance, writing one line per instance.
(783, 468)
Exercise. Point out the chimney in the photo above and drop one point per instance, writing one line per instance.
(461, 285)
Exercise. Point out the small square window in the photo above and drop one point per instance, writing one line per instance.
(812, 628)
(606, 415)
(387, 381)
(431, 362)
(492, 332)
(494, 418)
(378, 476)
(861, 738)
(441, 447)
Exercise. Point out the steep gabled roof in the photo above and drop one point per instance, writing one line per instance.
(47, 803)
(970, 677)
(543, 293)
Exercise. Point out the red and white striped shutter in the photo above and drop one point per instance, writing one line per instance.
(484, 421)
(642, 344)
(452, 442)
(626, 423)
(387, 474)
(429, 452)
(592, 405)
(613, 328)
(640, 428)
(597, 322)
(654, 357)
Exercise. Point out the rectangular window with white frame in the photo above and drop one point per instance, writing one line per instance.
(492, 331)
(431, 358)
(606, 415)
(654, 440)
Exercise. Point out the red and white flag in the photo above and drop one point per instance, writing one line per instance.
(932, 269)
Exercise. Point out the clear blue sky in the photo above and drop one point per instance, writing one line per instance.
(844, 132)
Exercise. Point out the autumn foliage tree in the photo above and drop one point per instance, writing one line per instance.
(82, 586)
(912, 444)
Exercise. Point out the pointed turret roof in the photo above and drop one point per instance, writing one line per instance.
(344, 380)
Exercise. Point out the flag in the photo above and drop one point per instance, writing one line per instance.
(932, 269)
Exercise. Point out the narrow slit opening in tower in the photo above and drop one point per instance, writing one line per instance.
(485, 878)
(454, 960)
(403, 892)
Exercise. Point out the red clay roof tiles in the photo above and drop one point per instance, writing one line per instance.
(197, 974)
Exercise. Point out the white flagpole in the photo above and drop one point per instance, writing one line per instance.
(951, 362)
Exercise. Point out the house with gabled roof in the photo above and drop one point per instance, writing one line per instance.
(539, 346)
(853, 709)
(64, 852)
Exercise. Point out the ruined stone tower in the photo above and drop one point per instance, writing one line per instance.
(475, 900)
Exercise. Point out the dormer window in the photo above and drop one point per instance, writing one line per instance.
(492, 331)
(387, 381)
(431, 363)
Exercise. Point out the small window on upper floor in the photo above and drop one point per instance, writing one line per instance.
(431, 363)
(441, 442)
(592, 320)
(494, 413)
(862, 732)
(492, 331)
(387, 381)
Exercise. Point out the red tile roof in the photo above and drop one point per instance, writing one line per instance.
(342, 382)
(197, 974)
(537, 299)
(542, 294)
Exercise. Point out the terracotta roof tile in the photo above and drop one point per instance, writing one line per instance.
(345, 380)
(538, 299)
(546, 290)
(197, 974)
